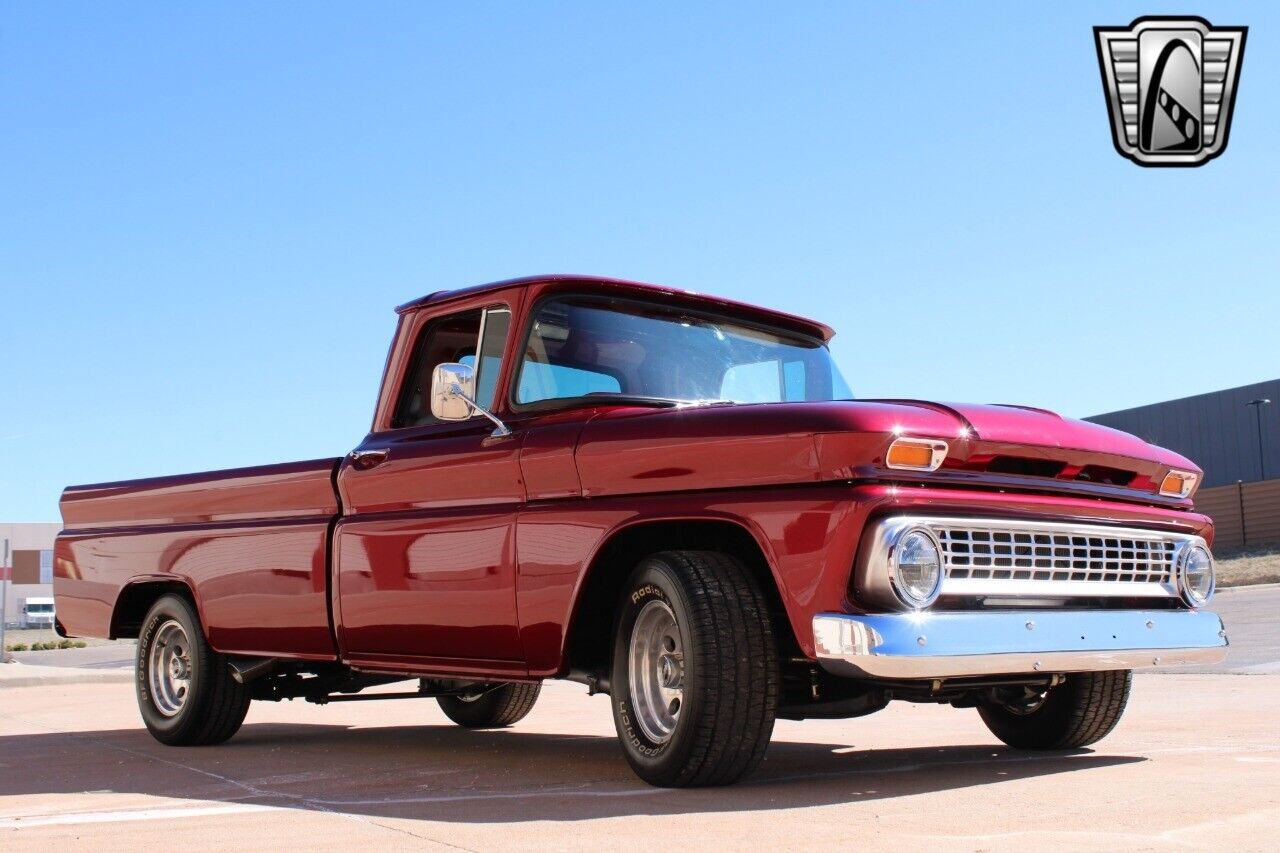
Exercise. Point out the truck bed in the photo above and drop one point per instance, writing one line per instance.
(252, 544)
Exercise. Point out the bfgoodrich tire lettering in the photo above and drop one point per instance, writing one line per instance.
(1080, 711)
(726, 684)
(212, 706)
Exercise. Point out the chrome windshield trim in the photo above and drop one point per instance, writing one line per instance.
(976, 643)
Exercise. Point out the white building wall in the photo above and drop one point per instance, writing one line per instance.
(22, 536)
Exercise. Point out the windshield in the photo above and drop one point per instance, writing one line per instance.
(583, 347)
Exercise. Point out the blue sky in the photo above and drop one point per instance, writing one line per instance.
(207, 215)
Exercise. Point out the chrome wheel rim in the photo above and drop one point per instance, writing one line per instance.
(656, 671)
(169, 668)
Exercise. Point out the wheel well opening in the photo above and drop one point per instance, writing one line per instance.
(134, 602)
(590, 644)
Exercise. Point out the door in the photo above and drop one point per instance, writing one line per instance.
(425, 554)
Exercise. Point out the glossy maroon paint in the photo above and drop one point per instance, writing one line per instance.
(251, 544)
(426, 559)
(462, 553)
(809, 537)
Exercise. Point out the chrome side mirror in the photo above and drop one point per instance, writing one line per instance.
(452, 387)
(453, 390)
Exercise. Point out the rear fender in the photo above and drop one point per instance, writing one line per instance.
(139, 594)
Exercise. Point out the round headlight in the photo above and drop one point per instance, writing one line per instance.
(1196, 577)
(917, 569)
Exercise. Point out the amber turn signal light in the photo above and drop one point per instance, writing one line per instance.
(1178, 484)
(916, 454)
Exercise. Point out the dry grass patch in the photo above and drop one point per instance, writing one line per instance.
(1249, 566)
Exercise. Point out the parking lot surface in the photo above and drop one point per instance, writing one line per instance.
(1195, 763)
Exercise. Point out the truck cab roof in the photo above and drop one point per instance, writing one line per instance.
(622, 287)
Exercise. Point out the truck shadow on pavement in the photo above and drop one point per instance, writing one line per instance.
(455, 775)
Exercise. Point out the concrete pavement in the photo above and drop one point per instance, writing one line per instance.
(1252, 618)
(1195, 763)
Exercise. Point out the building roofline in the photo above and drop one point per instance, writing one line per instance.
(1181, 399)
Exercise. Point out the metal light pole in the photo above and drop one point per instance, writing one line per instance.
(4, 588)
(1257, 411)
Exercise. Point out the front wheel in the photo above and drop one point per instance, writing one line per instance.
(185, 690)
(1080, 711)
(695, 670)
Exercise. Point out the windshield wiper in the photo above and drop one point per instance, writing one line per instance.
(708, 402)
(658, 402)
(635, 399)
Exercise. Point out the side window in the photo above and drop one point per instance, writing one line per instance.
(561, 363)
(765, 382)
(449, 339)
(759, 382)
(794, 382)
(555, 381)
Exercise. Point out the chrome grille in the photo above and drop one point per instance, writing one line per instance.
(1020, 558)
(1028, 556)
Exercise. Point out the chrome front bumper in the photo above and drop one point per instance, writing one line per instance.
(975, 643)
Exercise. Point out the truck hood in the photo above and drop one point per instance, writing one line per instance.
(624, 448)
(1026, 425)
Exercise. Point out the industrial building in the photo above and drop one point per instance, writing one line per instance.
(28, 597)
(1234, 435)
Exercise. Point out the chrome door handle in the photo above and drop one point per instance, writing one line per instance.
(366, 459)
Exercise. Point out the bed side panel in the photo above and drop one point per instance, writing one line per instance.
(250, 543)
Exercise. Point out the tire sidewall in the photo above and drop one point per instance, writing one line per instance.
(170, 607)
(493, 709)
(652, 580)
(1056, 724)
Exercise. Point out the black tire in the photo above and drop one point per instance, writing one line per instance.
(213, 705)
(495, 708)
(730, 671)
(1080, 711)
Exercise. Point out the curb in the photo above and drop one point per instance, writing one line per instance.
(21, 675)
(1262, 585)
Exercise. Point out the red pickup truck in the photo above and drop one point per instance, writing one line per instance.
(675, 500)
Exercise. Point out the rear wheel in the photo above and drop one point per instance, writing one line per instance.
(1080, 711)
(695, 670)
(185, 690)
(487, 707)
